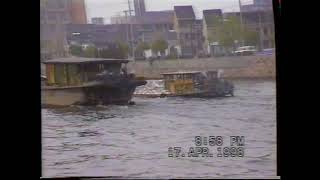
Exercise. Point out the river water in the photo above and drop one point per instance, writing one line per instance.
(133, 141)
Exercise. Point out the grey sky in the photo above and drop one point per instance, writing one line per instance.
(108, 8)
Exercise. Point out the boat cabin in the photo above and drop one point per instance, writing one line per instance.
(188, 82)
(181, 82)
(212, 75)
(76, 71)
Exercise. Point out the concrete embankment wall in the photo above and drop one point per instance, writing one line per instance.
(233, 67)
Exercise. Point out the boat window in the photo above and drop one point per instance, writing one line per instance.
(101, 67)
(174, 77)
(60, 75)
(189, 76)
(212, 75)
(74, 74)
(114, 68)
(91, 70)
(50, 74)
(170, 77)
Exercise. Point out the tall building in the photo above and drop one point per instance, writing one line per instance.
(260, 21)
(139, 7)
(258, 5)
(78, 12)
(102, 36)
(97, 20)
(212, 18)
(189, 31)
(54, 16)
(144, 26)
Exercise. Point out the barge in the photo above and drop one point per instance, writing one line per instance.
(196, 84)
(87, 81)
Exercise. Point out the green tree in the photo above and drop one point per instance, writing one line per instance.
(214, 24)
(91, 52)
(104, 53)
(272, 38)
(141, 47)
(251, 37)
(230, 30)
(76, 50)
(123, 49)
(119, 51)
(159, 45)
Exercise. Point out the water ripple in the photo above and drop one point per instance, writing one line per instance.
(132, 141)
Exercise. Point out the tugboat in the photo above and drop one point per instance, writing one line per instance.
(196, 84)
(88, 81)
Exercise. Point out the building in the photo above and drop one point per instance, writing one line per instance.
(54, 16)
(139, 7)
(260, 21)
(145, 27)
(189, 31)
(169, 36)
(212, 18)
(258, 5)
(101, 36)
(151, 20)
(78, 12)
(97, 20)
(259, 17)
(199, 38)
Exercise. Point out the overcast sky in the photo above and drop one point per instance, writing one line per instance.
(108, 8)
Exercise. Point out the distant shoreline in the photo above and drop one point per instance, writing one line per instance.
(227, 78)
(235, 67)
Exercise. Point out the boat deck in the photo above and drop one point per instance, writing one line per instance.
(89, 84)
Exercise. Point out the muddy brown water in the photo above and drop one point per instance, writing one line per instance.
(133, 141)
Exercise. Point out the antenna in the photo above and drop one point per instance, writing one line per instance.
(129, 5)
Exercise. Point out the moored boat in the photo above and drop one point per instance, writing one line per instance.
(197, 84)
(87, 81)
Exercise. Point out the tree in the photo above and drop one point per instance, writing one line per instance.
(91, 52)
(213, 23)
(141, 47)
(118, 50)
(159, 45)
(251, 37)
(230, 30)
(272, 38)
(76, 50)
(123, 49)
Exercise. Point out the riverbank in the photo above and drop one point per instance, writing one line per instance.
(235, 67)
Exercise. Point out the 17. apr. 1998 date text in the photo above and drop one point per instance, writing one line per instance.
(211, 146)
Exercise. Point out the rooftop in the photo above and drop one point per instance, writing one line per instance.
(149, 17)
(210, 16)
(154, 17)
(184, 12)
(80, 60)
(213, 11)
